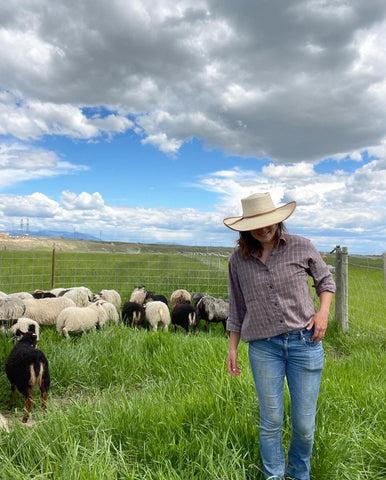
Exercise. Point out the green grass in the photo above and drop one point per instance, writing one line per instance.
(133, 404)
(130, 404)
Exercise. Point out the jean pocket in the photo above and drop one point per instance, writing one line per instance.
(307, 338)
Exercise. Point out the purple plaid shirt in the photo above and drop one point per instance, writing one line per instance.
(269, 299)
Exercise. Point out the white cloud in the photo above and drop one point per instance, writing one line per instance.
(21, 162)
(292, 85)
(36, 205)
(83, 201)
(28, 119)
(296, 84)
(331, 208)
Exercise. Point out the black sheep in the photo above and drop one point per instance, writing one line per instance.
(151, 296)
(184, 315)
(133, 314)
(27, 367)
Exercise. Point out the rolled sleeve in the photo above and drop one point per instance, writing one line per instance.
(320, 273)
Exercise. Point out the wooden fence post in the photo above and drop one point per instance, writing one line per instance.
(53, 267)
(341, 279)
(384, 267)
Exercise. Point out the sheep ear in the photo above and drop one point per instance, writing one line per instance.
(31, 328)
(18, 333)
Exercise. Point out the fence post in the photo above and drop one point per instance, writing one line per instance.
(53, 267)
(384, 267)
(341, 279)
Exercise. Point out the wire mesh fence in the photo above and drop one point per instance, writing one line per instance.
(163, 272)
(367, 294)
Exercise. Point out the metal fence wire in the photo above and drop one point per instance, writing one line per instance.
(163, 272)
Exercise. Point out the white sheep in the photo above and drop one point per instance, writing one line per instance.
(24, 325)
(46, 310)
(179, 296)
(82, 296)
(81, 319)
(157, 313)
(22, 295)
(111, 312)
(11, 307)
(111, 296)
(138, 295)
(58, 290)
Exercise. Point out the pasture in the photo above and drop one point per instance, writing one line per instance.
(131, 404)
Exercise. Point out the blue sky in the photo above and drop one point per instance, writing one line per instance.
(148, 121)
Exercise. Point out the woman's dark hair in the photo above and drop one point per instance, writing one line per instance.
(249, 244)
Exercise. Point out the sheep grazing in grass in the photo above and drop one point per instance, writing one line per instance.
(27, 367)
(151, 296)
(212, 310)
(184, 315)
(17, 327)
(11, 307)
(46, 310)
(111, 296)
(196, 297)
(82, 296)
(157, 314)
(81, 319)
(23, 325)
(179, 296)
(111, 312)
(138, 295)
(133, 314)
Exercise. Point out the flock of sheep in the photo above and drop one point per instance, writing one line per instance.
(78, 309)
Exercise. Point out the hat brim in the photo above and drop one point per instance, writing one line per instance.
(245, 224)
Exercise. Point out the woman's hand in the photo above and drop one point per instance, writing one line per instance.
(233, 368)
(319, 322)
(320, 319)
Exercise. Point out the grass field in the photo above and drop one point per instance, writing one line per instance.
(131, 404)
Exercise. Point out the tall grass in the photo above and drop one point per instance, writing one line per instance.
(131, 404)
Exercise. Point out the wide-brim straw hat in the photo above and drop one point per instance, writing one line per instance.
(259, 212)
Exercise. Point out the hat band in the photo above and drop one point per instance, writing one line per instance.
(252, 216)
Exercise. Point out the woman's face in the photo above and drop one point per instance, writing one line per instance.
(265, 235)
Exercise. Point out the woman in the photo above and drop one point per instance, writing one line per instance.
(271, 308)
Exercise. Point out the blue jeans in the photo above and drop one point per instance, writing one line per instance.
(297, 358)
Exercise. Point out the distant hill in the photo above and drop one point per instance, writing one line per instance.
(54, 234)
(66, 241)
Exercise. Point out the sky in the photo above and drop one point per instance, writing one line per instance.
(148, 121)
